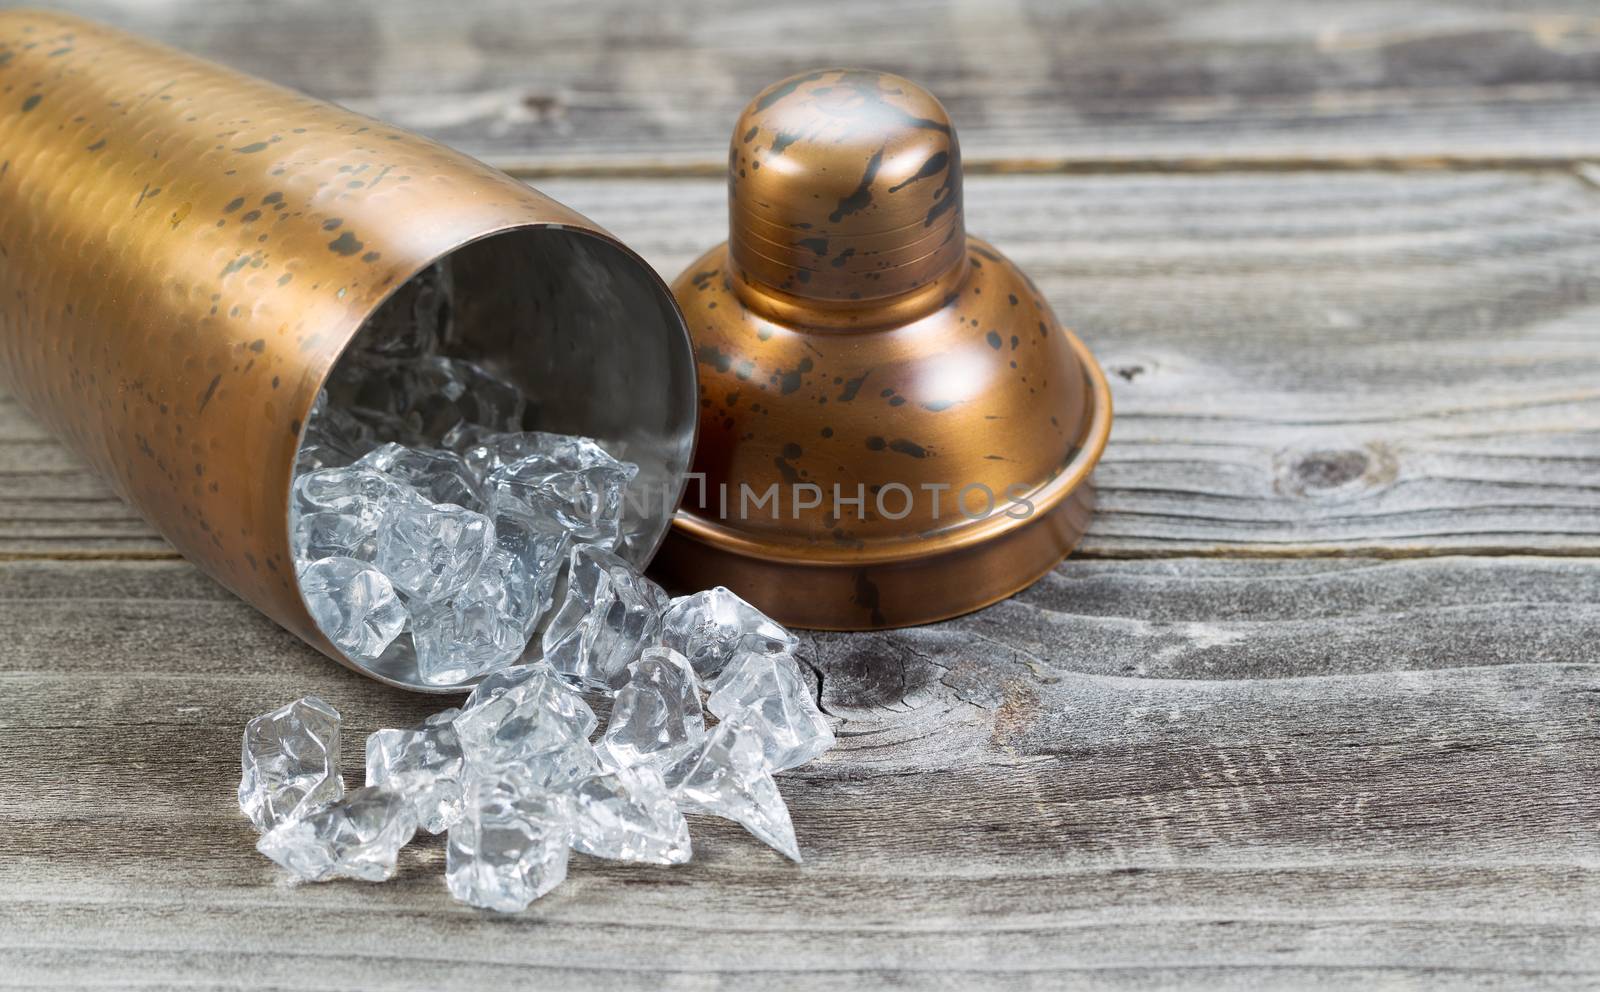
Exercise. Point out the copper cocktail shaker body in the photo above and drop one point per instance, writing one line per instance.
(185, 251)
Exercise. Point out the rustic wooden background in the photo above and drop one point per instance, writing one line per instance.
(1317, 704)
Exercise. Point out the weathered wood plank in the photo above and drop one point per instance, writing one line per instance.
(1217, 774)
(52, 504)
(603, 82)
(1302, 365)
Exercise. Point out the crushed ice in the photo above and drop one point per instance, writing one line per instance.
(424, 515)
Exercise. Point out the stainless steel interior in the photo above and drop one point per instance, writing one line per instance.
(597, 344)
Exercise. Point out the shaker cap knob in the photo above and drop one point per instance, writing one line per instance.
(845, 185)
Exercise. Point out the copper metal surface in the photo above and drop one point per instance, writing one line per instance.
(185, 251)
(850, 334)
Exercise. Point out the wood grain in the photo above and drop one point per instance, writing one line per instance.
(1363, 363)
(608, 84)
(1216, 774)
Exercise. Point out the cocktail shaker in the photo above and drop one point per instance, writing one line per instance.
(185, 251)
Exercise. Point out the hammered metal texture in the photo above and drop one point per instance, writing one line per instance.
(185, 251)
(851, 334)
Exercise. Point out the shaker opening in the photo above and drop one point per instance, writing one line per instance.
(539, 329)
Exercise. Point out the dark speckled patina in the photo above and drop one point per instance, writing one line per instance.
(185, 257)
(850, 333)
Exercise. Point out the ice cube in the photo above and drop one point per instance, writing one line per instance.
(360, 837)
(327, 534)
(314, 455)
(432, 552)
(511, 846)
(452, 391)
(412, 323)
(728, 777)
(609, 615)
(626, 814)
(464, 437)
(656, 718)
(560, 766)
(332, 437)
(440, 476)
(354, 604)
(353, 490)
(769, 689)
(386, 427)
(504, 582)
(540, 546)
(462, 638)
(570, 478)
(492, 452)
(290, 762)
(519, 712)
(710, 627)
(423, 764)
(379, 395)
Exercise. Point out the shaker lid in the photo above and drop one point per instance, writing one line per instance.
(894, 428)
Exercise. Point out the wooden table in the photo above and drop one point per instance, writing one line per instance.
(1314, 705)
